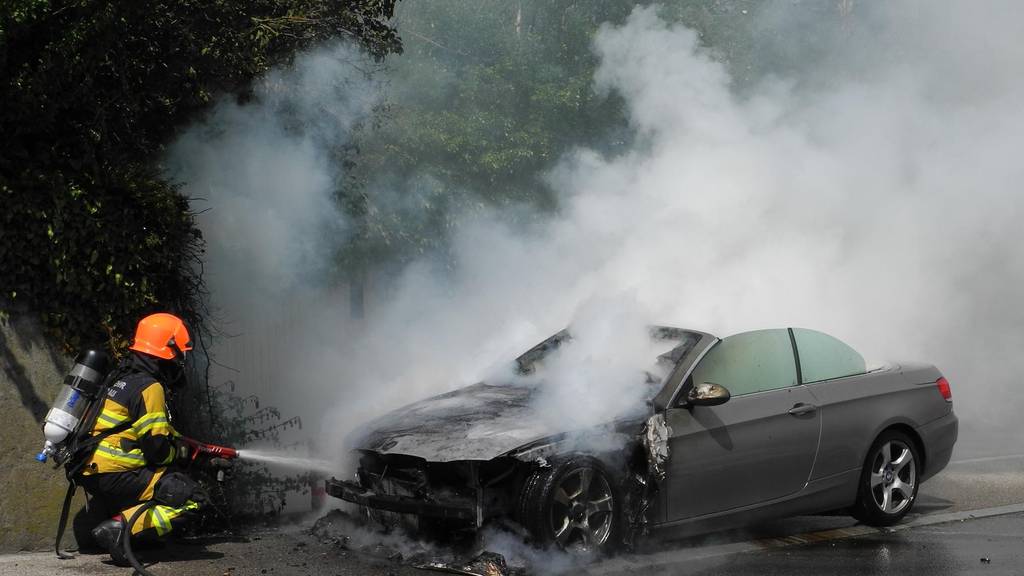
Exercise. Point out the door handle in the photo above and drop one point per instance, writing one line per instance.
(800, 409)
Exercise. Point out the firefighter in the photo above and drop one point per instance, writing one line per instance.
(146, 455)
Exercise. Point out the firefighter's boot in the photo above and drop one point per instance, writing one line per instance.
(109, 534)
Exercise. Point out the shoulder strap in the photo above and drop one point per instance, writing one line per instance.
(64, 521)
(85, 448)
(83, 444)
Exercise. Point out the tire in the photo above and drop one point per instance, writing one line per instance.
(889, 480)
(573, 504)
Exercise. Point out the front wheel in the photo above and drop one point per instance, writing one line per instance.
(889, 480)
(574, 504)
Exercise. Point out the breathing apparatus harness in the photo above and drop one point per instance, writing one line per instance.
(67, 429)
(71, 420)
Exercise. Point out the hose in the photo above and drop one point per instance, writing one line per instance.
(126, 532)
(62, 524)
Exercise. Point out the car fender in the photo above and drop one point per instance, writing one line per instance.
(610, 443)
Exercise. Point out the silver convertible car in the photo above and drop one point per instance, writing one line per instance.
(754, 426)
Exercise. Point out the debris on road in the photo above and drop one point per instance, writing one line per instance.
(347, 532)
(343, 530)
(484, 564)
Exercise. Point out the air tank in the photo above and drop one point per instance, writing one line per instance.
(77, 393)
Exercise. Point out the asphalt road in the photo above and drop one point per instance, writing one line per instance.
(986, 546)
(939, 537)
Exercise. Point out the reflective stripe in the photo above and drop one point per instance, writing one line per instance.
(163, 515)
(162, 524)
(133, 457)
(158, 429)
(113, 414)
(111, 419)
(170, 457)
(148, 422)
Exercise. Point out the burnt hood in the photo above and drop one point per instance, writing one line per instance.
(478, 422)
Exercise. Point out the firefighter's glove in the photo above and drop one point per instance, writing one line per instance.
(182, 452)
(220, 465)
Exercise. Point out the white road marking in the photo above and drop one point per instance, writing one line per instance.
(988, 459)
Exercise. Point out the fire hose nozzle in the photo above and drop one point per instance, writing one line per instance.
(211, 450)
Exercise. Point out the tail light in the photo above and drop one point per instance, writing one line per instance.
(943, 385)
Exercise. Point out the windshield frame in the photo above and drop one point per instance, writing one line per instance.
(691, 342)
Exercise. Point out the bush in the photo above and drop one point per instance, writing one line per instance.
(91, 237)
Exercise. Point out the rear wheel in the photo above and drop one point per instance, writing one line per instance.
(889, 480)
(574, 504)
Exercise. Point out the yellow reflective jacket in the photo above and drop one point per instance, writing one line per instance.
(137, 398)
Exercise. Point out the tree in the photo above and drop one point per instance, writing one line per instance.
(91, 236)
(487, 95)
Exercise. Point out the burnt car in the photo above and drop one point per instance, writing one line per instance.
(754, 426)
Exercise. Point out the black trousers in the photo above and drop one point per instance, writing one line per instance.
(122, 493)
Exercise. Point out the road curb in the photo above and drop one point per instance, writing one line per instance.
(671, 558)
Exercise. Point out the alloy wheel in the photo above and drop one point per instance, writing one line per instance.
(893, 477)
(582, 509)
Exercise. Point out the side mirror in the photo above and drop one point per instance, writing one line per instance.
(707, 394)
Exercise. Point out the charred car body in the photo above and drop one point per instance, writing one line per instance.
(754, 426)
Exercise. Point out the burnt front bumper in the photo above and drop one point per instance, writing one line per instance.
(352, 492)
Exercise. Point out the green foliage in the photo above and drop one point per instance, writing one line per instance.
(91, 237)
(488, 96)
(252, 491)
(90, 257)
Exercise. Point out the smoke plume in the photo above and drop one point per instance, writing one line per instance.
(868, 190)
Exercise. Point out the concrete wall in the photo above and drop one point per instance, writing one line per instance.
(31, 369)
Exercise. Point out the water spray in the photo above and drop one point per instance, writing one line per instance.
(261, 456)
(288, 461)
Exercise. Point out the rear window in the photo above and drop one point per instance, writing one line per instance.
(823, 357)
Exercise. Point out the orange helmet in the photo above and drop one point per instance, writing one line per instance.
(159, 334)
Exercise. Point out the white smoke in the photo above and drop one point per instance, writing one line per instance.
(600, 374)
(264, 174)
(875, 199)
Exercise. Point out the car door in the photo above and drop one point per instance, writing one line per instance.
(757, 447)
